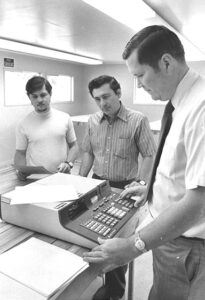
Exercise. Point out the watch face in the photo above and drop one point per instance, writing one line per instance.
(140, 245)
(142, 182)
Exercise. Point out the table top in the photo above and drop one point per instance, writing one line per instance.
(11, 235)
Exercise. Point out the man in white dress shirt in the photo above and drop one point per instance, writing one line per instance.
(175, 227)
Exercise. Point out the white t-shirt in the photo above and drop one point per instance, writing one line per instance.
(45, 137)
(182, 163)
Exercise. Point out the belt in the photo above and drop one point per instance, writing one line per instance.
(194, 239)
(115, 184)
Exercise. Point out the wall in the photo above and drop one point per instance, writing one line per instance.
(120, 72)
(125, 79)
(9, 116)
(83, 103)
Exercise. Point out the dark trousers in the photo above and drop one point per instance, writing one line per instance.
(179, 270)
(115, 184)
(115, 280)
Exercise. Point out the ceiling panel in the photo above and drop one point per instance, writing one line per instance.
(68, 25)
(74, 26)
(186, 16)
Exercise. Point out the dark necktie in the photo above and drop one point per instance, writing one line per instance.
(165, 127)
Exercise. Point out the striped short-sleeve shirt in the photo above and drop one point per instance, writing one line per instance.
(116, 146)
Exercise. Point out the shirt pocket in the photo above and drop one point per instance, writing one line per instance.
(122, 147)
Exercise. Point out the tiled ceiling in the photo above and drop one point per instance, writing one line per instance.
(74, 26)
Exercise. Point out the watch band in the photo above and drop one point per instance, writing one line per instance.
(69, 163)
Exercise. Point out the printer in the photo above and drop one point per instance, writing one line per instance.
(98, 211)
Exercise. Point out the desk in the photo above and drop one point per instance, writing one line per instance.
(80, 120)
(11, 235)
(83, 119)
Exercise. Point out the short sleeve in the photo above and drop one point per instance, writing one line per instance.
(195, 149)
(21, 138)
(71, 136)
(86, 144)
(144, 138)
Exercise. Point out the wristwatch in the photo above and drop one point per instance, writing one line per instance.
(139, 244)
(69, 163)
(141, 182)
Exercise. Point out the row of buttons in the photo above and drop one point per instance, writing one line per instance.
(105, 200)
(99, 228)
(125, 202)
(106, 219)
(114, 211)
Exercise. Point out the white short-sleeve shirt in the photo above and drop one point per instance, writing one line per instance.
(45, 137)
(182, 163)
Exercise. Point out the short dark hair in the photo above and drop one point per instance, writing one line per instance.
(103, 79)
(152, 42)
(36, 83)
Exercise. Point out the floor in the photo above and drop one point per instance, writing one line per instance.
(142, 273)
(142, 280)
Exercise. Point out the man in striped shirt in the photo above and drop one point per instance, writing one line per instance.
(114, 139)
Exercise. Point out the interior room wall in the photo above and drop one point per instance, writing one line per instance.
(153, 112)
(83, 103)
(120, 72)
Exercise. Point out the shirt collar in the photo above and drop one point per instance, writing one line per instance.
(122, 114)
(184, 85)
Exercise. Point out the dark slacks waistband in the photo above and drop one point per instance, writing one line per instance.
(115, 184)
(191, 239)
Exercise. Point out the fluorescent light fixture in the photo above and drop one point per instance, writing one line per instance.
(45, 52)
(130, 12)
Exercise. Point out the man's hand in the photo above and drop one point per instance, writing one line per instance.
(111, 253)
(21, 176)
(64, 168)
(136, 191)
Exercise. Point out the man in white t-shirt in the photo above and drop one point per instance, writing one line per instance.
(46, 136)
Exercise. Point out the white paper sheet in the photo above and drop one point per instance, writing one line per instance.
(42, 267)
(38, 193)
(81, 184)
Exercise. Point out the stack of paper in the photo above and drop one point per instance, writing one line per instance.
(54, 188)
(81, 184)
(36, 270)
(38, 193)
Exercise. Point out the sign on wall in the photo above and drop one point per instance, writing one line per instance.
(8, 62)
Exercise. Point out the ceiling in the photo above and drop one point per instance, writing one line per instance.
(76, 27)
